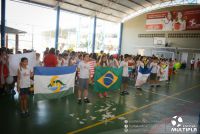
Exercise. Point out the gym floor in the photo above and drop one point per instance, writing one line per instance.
(145, 111)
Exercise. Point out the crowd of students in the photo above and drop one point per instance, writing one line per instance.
(85, 70)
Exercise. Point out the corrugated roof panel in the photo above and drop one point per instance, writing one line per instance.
(76, 9)
(91, 5)
(130, 4)
(109, 18)
(143, 3)
(48, 2)
(113, 10)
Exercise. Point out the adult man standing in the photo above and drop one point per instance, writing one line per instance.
(50, 60)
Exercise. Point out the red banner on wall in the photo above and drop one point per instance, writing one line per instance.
(173, 20)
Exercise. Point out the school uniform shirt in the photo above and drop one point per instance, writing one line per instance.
(65, 62)
(192, 61)
(139, 64)
(111, 63)
(114, 63)
(60, 62)
(154, 67)
(104, 64)
(125, 68)
(38, 62)
(25, 81)
(84, 70)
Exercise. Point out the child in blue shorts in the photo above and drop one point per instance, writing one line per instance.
(23, 84)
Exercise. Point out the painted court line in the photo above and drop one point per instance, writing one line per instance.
(130, 111)
(166, 95)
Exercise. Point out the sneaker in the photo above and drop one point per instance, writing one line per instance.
(138, 88)
(126, 92)
(27, 114)
(86, 100)
(157, 85)
(22, 114)
(168, 82)
(79, 101)
(105, 94)
(100, 95)
(122, 93)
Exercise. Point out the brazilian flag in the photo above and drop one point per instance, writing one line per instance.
(107, 78)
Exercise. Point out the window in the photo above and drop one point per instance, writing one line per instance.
(75, 32)
(37, 21)
(107, 36)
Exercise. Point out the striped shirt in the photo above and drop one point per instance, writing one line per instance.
(92, 64)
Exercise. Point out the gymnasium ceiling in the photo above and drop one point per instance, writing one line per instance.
(111, 10)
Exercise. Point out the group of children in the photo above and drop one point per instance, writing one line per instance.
(86, 64)
(130, 67)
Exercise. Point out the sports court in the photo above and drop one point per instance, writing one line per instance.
(151, 108)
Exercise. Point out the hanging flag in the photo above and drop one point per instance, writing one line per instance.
(51, 83)
(14, 60)
(107, 78)
(164, 74)
(92, 64)
(143, 74)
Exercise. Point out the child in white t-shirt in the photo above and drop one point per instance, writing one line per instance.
(125, 75)
(159, 73)
(23, 85)
(154, 70)
(192, 62)
(84, 77)
(65, 59)
(60, 60)
(38, 62)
